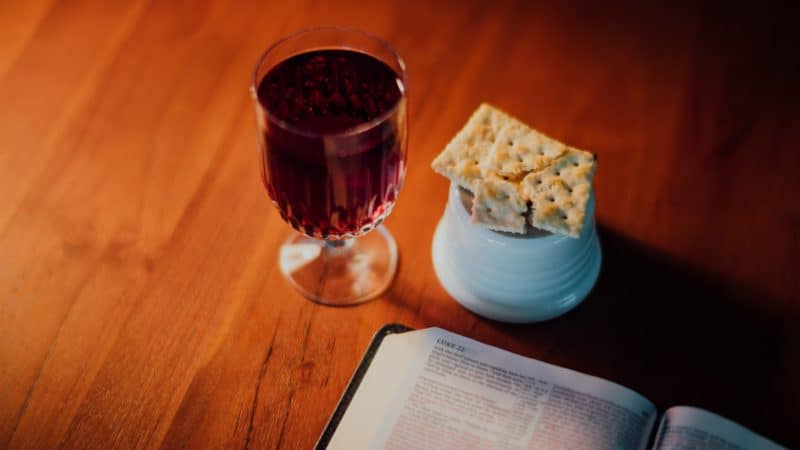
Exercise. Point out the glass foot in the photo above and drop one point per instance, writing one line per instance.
(340, 273)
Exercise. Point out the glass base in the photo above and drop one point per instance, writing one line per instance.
(340, 273)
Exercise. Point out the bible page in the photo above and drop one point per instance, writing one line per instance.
(432, 389)
(688, 428)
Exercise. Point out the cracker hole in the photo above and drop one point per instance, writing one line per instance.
(575, 164)
(505, 178)
(558, 172)
(551, 198)
(510, 142)
(563, 217)
(538, 181)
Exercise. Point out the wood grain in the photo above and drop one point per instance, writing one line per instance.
(140, 305)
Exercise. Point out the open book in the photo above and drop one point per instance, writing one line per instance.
(432, 389)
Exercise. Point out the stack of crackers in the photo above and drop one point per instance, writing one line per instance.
(518, 175)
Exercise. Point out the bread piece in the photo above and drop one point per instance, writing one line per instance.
(460, 159)
(560, 192)
(498, 205)
(520, 149)
(505, 164)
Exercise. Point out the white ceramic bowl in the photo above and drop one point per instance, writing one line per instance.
(511, 277)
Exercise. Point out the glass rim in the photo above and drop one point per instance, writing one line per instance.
(356, 129)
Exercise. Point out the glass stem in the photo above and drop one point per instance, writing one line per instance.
(338, 247)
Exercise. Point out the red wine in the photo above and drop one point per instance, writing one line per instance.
(333, 141)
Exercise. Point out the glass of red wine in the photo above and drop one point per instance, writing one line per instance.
(331, 115)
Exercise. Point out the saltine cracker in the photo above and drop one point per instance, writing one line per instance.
(498, 205)
(520, 149)
(460, 160)
(560, 193)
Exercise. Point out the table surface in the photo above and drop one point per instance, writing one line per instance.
(140, 304)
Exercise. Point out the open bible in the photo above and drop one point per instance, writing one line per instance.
(432, 389)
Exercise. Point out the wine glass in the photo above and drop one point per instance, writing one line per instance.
(331, 114)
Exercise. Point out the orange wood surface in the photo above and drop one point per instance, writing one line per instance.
(140, 303)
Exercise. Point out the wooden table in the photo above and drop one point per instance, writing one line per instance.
(140, 305)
